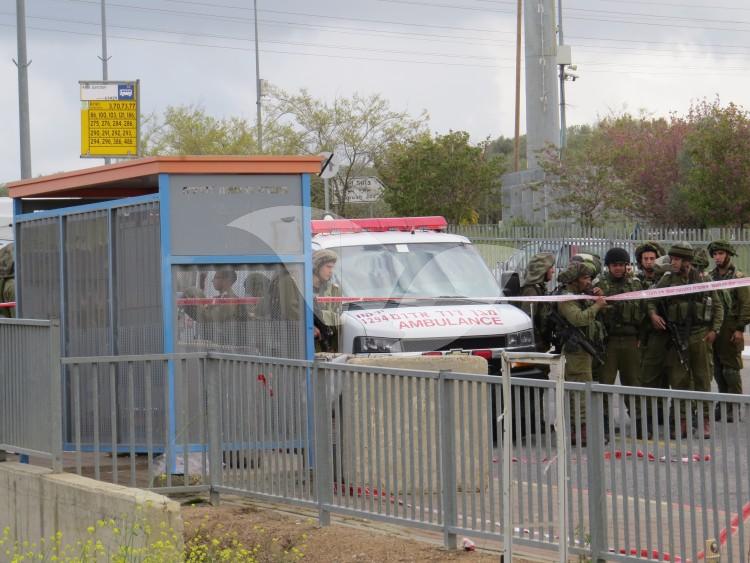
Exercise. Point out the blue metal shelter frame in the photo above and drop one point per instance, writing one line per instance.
(167, 260)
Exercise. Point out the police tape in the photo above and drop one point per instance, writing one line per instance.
(641, 294)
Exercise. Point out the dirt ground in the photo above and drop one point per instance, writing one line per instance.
(277, 532)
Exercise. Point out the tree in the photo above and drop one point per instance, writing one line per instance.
(3, 190)
(644, 154)
(442, 175)
(716, 164)
(188, 130)
(583, 183)
(361, 127)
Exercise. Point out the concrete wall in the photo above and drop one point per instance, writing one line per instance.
(36, 503)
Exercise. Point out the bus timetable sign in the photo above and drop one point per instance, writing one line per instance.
(109, 119)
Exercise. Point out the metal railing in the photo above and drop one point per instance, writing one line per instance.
(513, 461)
(30, 391)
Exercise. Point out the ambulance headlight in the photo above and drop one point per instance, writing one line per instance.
(376, 345)
(523, 338)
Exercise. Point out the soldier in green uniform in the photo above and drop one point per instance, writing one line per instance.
(622, 321)
(652, 264)
(539, 272)
(327, 315)
(646, 255)
(581, 314)
(7, 281)
(731, 341)
(698, 318)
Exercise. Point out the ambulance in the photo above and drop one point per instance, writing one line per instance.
(411, 288)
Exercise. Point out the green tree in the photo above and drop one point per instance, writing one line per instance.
(189, 130)
(361, 128)
(582, 181)
(443, 175)
(716, 164)
(3, 190)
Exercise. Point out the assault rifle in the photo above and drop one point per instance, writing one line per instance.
(675, 336)
(326, 333)
(567, 333)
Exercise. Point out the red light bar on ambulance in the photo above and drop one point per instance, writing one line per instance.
(379, 225)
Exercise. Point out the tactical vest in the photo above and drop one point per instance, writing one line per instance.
(621, 318)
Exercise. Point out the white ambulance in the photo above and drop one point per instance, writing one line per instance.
(419, 290)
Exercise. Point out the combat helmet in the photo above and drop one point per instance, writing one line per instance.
(616, 256)
(662, 265)
(700, 260)
(575, 270)
(323, 256)
(682, 250)
(592, 260)
(724, 245)
(536, 271)
(648, 246)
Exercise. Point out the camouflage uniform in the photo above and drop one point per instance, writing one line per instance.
(581, 314)
(622, 320)
(695, 315)
(7, 281)
(535, 284)
(728, 354)
(329, 314)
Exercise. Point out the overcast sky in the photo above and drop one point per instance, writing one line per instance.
(453, 58)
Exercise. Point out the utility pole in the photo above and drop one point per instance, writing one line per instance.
(563, 127)
(517, 138)
(23, 90)
(258, 85)
(104, 58)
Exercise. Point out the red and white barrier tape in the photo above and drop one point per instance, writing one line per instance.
(653, 293)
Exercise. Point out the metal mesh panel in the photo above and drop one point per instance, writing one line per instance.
(39, 268)
(139, 326)
(87, 319)
(87, 284)
(138, 320)
(259, 311)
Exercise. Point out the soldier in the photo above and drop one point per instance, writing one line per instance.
(697, 319)
(581, 314)
(7, 281)
(731, 341)
(539, 272)
(646, 255)
(622, 321)
(327, 315)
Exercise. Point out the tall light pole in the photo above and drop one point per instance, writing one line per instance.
(257, 79)
(563, 127)
(23, 90)
(104, 58)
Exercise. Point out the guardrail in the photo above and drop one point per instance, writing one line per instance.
(601, 471)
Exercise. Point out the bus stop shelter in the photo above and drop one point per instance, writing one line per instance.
(170, 254)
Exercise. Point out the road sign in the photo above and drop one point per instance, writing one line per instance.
(110, 119)
(364, 190)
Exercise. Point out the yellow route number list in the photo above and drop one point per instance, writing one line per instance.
(109, 119)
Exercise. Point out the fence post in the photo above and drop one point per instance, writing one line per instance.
(213, 415)
(447, 436)
(507, 454)
(323, 459)
(55, 397)
(597, 500)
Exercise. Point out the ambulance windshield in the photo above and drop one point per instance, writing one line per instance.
(434, 269)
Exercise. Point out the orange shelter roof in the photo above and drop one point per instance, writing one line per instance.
(141, 176)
